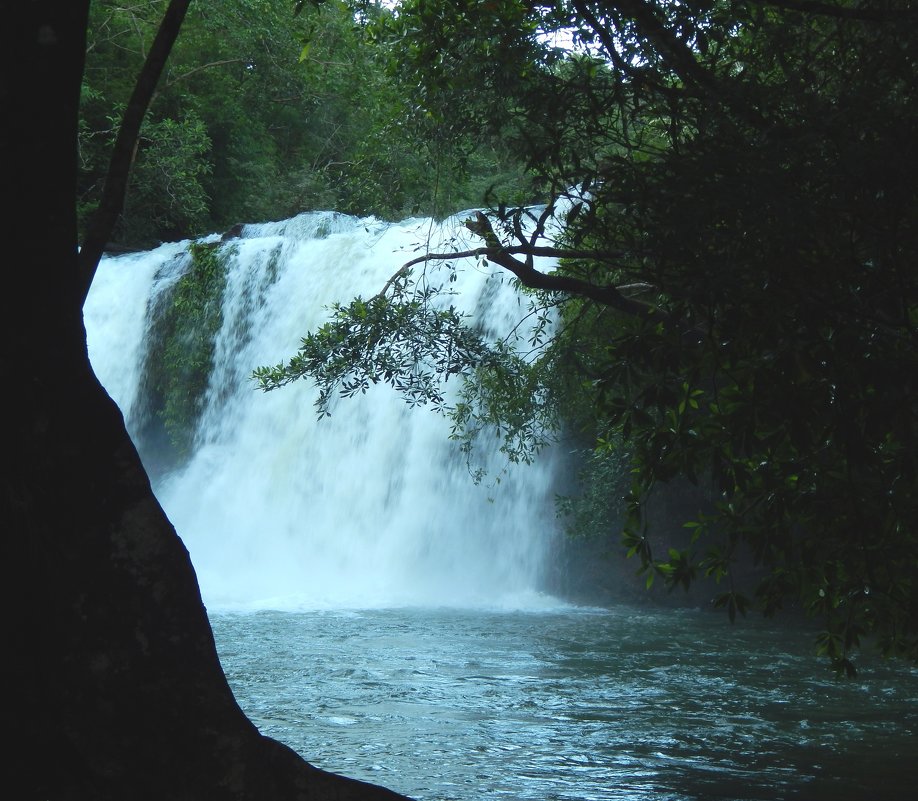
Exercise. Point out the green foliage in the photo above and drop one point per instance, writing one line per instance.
(401, 340)
(186, 329)
(167, 190)
(504, 394)
(745, 174)
(781, 245)
(605, 481)
(264, 113)
(736, 299)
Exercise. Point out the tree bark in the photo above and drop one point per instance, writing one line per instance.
(114, 689)
(119, 169)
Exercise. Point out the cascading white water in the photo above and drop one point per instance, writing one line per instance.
(370, 507)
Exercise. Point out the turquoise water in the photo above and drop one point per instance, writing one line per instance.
(573, 704)
(374, 507)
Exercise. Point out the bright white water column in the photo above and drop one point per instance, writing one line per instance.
(370, 507)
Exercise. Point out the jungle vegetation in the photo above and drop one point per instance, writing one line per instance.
(260, 114)
(730, 189)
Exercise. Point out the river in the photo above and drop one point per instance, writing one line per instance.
(387, 617)
(574, 704)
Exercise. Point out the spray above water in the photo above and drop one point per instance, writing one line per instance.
(370, 507)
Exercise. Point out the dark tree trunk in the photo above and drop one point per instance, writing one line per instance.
(113, 686)
(111, 203)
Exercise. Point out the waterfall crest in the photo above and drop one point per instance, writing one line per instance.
(370, 507)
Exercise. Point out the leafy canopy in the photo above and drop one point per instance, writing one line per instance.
(734, 190)
(263, 113)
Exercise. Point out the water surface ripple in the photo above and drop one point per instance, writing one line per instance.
(573, 704)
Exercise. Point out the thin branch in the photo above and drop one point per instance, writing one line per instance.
(503, 256)
(188, 74)
(119, 168)
(522, 250)
(675, 53)
(401, 272)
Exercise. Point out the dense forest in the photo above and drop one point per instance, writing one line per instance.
(729, 187)
(262, 113)
(731, 191)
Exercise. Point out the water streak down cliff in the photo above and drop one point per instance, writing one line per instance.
(370, 507)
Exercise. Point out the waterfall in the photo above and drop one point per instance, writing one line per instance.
(372, 506)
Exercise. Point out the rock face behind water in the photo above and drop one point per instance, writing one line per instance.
(233, 233)
(595, 570)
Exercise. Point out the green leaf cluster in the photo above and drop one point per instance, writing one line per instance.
(181, 357)
(747, 172)
(266, 110)
(403, 340)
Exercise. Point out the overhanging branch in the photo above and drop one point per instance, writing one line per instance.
(505, 256)
(119, 169)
